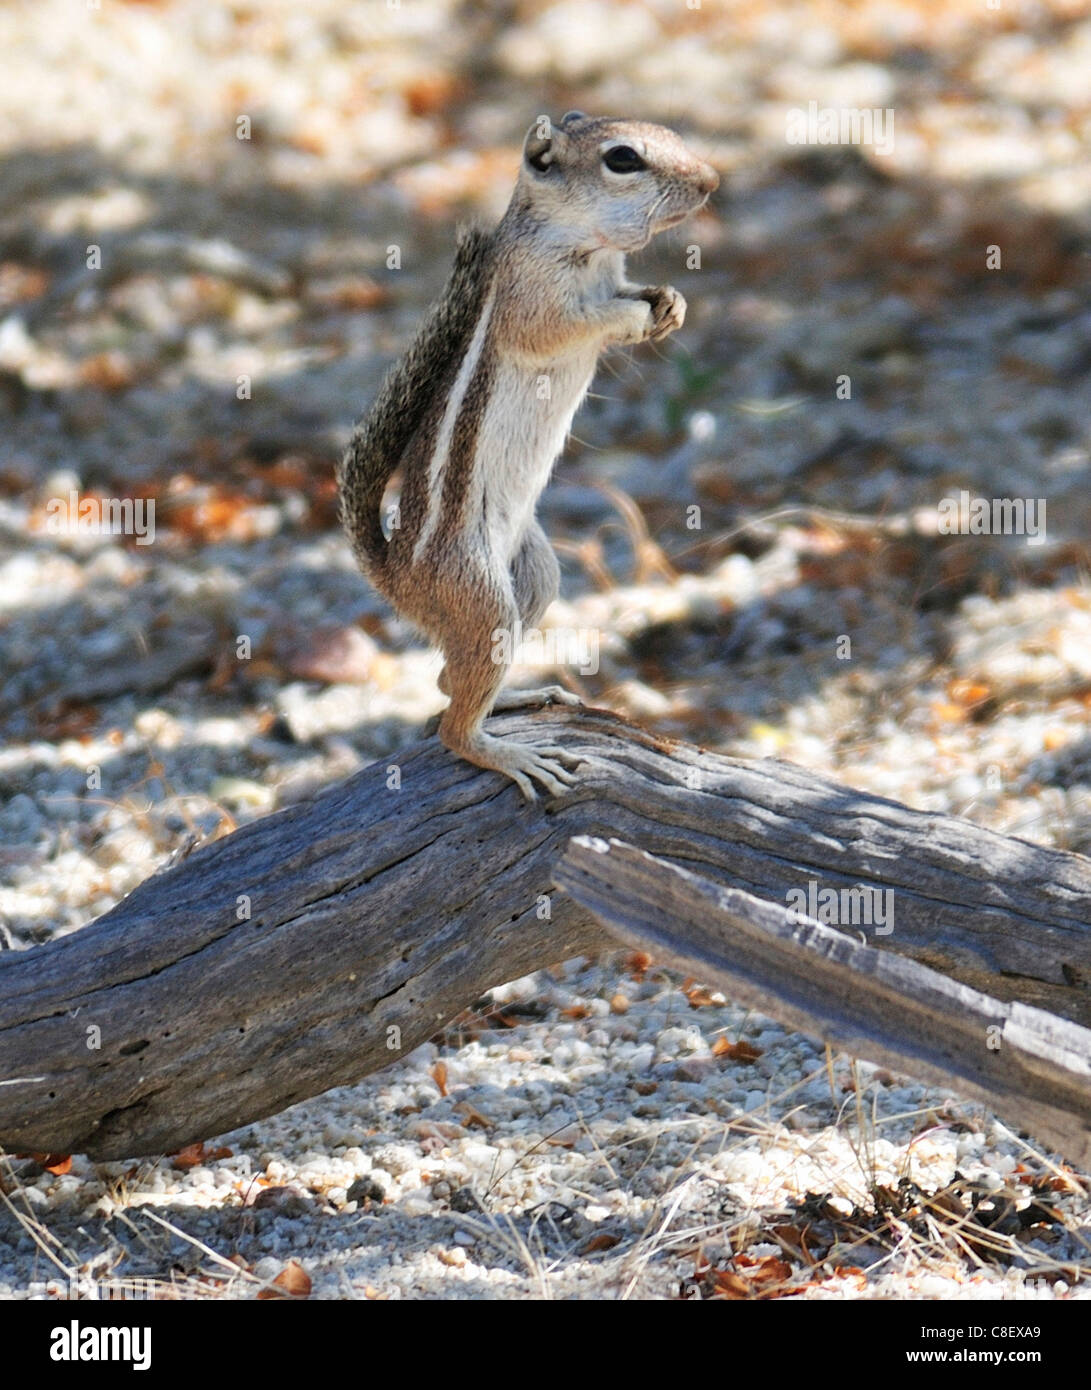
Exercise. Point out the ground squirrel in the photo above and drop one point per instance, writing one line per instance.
(478, 410)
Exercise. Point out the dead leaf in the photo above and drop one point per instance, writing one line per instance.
(743, 1052)
(439, 1076)
(764, 1278)
(790, 1235)
(472, 1116)
(193, 1155)
(637, 963)
(293, 1279)
(729, 1285)
(57, 1164)
(189, 1157)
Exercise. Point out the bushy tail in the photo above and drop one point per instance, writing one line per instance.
(381, 438)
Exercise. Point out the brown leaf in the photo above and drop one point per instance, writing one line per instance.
(743, 1052)
(852, 1273)
(192, 1156)
(790, 1235)
(730, 1285)
(1060, 1182)
(763, 1279)
(57, 1164)
(602, 1241)
(472, 1116)
(293, 1279)
(773, 1271)
(439, 1076)
(637, 963)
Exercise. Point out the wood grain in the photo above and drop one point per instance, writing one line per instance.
(382, 907)
(1031, 1068)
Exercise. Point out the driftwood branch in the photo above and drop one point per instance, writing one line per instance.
(1030, 1067)
(324, 942)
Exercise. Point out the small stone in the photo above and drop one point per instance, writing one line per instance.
(285, 1201)
(366, 1190)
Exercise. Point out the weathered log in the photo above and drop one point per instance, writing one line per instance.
(325, 941)
(1031, 1068)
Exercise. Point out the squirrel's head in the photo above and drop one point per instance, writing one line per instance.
(610, 183)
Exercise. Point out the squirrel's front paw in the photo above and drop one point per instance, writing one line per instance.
(668, 310)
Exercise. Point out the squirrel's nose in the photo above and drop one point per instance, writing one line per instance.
(708, 180)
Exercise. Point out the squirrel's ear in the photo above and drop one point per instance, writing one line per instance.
(573, 116)
(540, 146)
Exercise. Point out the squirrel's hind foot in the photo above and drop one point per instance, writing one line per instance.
(546, 695)
(548, 764)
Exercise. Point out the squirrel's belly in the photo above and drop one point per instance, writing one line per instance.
(523, 432)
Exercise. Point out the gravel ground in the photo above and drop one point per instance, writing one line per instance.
(600, 1130)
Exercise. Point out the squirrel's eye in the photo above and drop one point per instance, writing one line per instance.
(622, 159)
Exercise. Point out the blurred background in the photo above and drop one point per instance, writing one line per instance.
(243, 170)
